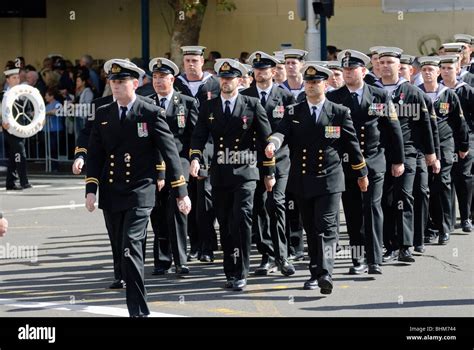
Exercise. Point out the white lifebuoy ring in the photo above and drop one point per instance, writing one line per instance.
(8, 117)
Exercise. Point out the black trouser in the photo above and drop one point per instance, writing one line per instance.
(114, 224)
(131, 226)
(294, 227)
(205, 217)
(397, 205)
(462, 178)
(192, 216)
(233, 206)
(269, 219)
(364, 218)
(421, 194)
(440, 197)
(319, 215)
(16, 160)
(170, 229)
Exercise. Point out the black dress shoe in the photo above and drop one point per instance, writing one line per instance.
(229, 283)
(206, 258)
(466, 225)
(160, 270)
(419, 248)
(297, 257)
(325, 283)
(193, 256)
(286, 268)
(405, 255)
(26, 186)
(375, 269)
(311, 284)
(182, 270)
(358, 270)
(117, 284)
(430, 237)
(266, 266)
(443, 238)
(390, 255)
(239, 285)
(14, 188)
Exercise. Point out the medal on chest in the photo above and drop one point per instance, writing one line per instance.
(278, 112)
(244, 120)
(332, 132)
(376, 109)
(444, 108)
(142, 129)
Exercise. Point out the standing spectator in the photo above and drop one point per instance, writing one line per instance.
(86, 61)
(32, 79)
(55, 124)
(84, 97)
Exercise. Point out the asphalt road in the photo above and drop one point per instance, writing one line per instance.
(65, 266)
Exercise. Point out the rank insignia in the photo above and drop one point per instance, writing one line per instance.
(142, 129)
(332, 132)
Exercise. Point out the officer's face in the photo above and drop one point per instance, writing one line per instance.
(13, 80)
(336, 80)
(193, 64)
(429, 73)
(163, 83)
(389, 67)
(448, 71)
(229, 85)
(263, 75)
(123, 89)
(353, 75)
(406, 71)
(315, 88)
(293, 67)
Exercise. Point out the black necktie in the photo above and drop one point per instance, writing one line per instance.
(227, 109)
(123, 114)
(263, 100)
(355, 101)
(162, 102)
(314, 115)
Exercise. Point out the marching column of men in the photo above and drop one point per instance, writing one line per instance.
(253, 151)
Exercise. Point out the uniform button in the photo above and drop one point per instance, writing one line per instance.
(320, 158)
(304, 157)
(320, 165)
(362, 128)
(362, 143)
(303, 165)
(362, 135)
(111, 156)
(320, 151)
(127, 173)
(111, 180)
(112, 164)
(303, 172)
(254, 139)
(236, 147)
(127, 165)
(304, 151)
(221, 145)
(221, 138)
(127, 181)
(111, 173)
(237, 140)
(320, 172)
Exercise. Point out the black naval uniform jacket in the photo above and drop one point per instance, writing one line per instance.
(317, 149)
(376, 124)
(247, 124)
(465, 94)
(122, 158)
(275, 105)
(181, 116)
(83, 138)
(452, 127)
(208, 90)
(415, 120)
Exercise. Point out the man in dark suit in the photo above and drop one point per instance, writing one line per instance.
(169, 224)
(269, 207)
(377, 127)
(122, 158)
(318, 133)
(235, 122)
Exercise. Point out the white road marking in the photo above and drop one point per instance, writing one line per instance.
(98, 310)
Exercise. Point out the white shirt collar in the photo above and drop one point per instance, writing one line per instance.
(232, 102)
(267, 91)
(319, 107)
(129, 106)
(168, 99)
(359, 92)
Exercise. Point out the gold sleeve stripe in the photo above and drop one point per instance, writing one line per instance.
(180, 180)
(178, 184)
(92, 180)
(80, 149)
(358, 166)
(194, 151)
(269, 163)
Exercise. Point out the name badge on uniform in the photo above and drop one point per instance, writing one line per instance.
(278, 112)
(376, 109)
(181, 121)
(142, 129)
(444, 108)
(332, 132)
